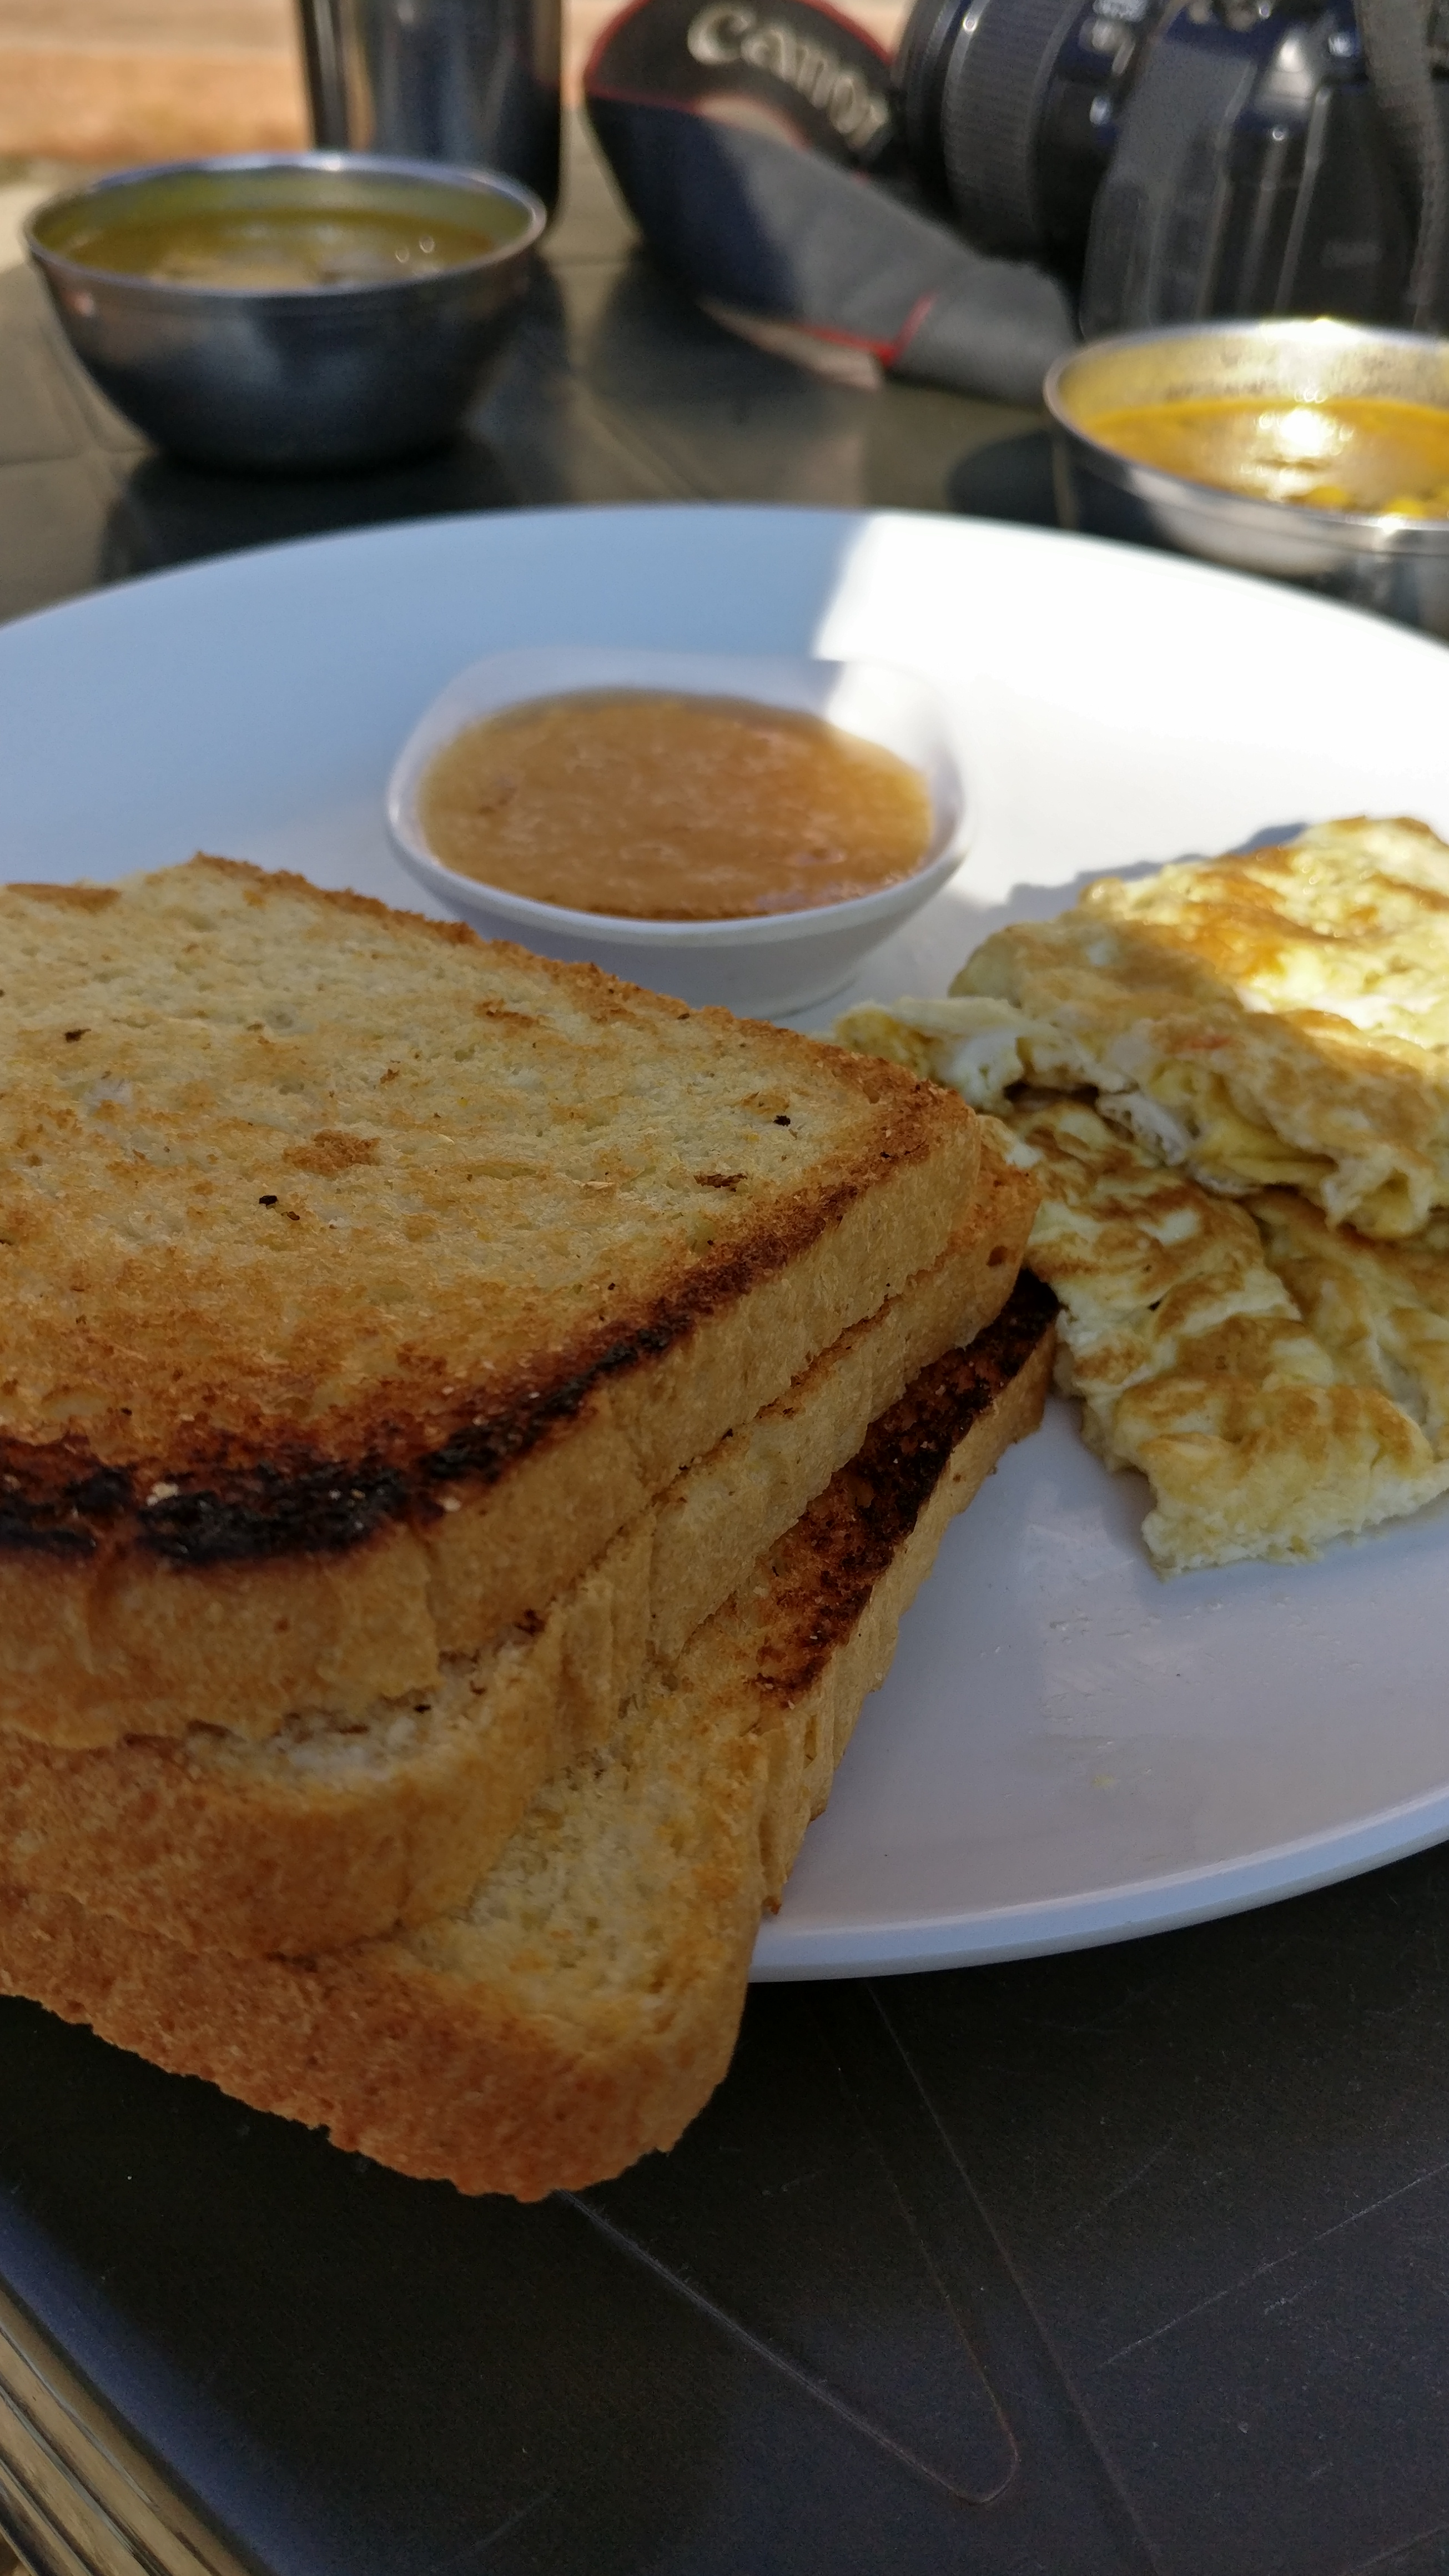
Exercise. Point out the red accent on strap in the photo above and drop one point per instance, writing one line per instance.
(912, 323)
(886, 350)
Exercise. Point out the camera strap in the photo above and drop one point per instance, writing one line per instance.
(751, 140)
(1400, 66)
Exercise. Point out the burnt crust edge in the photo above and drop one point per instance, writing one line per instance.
(229, 1509)
(228, 1506)
(864, 1516)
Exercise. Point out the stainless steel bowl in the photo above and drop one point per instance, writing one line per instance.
(290, 379)
(1398, 567)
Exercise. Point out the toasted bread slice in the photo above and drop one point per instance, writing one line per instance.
(359, 1281)
(583, 2003)
(332, 1831)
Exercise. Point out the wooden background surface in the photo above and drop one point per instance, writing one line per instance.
(100, 83)
(130, 80)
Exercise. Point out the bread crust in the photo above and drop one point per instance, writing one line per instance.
(515, 2076)
(325, 1838)
(190, 1532)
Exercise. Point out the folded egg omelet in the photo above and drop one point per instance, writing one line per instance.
(1277, 1018)
(1233, 1079)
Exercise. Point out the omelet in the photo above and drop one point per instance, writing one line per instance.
(1279, 1384)
(1274, 1019)
(1233, 1077)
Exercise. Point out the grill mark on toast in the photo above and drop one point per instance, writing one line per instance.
(225, 1481)
(58, 1512)
(444, 2058)
(862, 1519)
(267, 1512)
(255, 1858)
(27, 1528)
(234, 1509)
(259, 1512)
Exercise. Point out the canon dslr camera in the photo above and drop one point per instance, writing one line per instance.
(1175, 159)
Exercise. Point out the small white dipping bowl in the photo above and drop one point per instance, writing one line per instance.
(768, 962)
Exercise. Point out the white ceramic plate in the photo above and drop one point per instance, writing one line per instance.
(1067, 1750)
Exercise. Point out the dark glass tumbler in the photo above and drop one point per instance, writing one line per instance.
(473, 82)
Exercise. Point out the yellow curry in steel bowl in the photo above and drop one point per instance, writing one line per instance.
(280, 247)
(1346, 452)
(1312, 451)
(291, 312)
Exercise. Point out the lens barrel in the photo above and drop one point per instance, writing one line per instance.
(993, 91)
(1009, 111)
(917, 74)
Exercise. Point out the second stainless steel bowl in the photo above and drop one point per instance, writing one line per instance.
(1398, 567)
(290, 379)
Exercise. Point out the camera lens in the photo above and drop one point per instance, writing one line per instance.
(916, 78)
(992, 96)
(1010, 108)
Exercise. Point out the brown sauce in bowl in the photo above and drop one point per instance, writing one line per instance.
(252, 250)
(666, 807)
(1347, 453)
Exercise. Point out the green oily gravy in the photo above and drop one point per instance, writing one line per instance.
(283, 247)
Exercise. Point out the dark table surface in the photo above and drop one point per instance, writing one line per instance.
(615, 389)
(1134, 2259)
